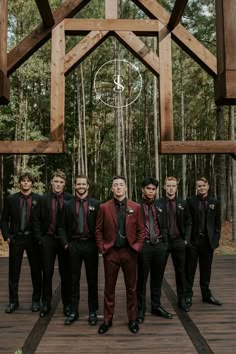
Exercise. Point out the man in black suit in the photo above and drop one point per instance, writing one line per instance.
(205, 236)
(16, 227)
(77, 233)
(178, 224)
(153, 255)
(45, 223)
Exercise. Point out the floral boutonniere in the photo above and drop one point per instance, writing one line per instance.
(211, 206)
(180, 207)
(159, 209)
(91, 208)
(129, 211)
(34, 203)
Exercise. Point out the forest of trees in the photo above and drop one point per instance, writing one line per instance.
(101, 140)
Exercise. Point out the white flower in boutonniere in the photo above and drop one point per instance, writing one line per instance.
(129, 211)
(91, 208)
(180, 207)
(212, 206)
(34, 203)
(159, 209)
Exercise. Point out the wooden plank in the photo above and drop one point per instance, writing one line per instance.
(181, 36)
(111, 8)
(226, 52)
(141, 27)
(45, 12)
(28, 46)
(165, 84)
(31, 147)
(57, 106)
(177, 13)
(139, 50)
(4, 81)
(83, 49)
(198, 147)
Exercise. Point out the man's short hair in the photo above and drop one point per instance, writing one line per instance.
(119, 177)
(58, 173)
(26, 175)
(82, 176)
(202, 179)
(171, 178)
(149, 180)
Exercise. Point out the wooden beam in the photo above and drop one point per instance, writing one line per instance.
(45, 12)
(165, 83)
(181, 36)
(57, 83)
(40, 35)
(177, 13)
(198, 147)
(226, 52)
(32, 147)
(4, 81)
(83, 49)
(142, 27)
(111, 8)
(139, 50)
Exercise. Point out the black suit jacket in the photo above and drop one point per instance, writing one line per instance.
(68, 223)
(11, 215)
(213, 220)
(160, 219)
(183, 216)
(43, 215)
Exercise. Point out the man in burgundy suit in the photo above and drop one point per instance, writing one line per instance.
(120, 235)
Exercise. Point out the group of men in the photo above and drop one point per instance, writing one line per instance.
(136, 237)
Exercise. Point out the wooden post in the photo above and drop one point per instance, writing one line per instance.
(58, 83)
(165, 83)
(226, 52)
(4, 80)
(111, 8)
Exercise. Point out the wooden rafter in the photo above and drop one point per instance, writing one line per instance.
(31, 147)
(83, 49)
(4, 81)
(140, 50)
(40, 35)
(200, 147)
(181, 36)
(177, 13)
(45, 12)
(139, 27)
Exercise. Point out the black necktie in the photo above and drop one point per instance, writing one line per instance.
(81, 216)
(171, 219)
(151, 225)
(24, 214)
(202, 216)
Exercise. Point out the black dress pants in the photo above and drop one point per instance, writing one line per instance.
(16, 251)
(201, 251)
(84, 251)
(51, 248)
(151, 259)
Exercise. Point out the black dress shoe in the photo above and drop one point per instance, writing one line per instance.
(133, 327)
(212, 300)
(44, 311)
(188, 301)
(92, 320)
(184, 306)
(67, 310)
(104, 327)
(12, 307)
(70, 319)
(140, 319)
(35, 306)
(160, 311)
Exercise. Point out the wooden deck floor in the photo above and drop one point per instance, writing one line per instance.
(205, 329)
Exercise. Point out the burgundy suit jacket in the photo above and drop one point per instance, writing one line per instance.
(106, 226)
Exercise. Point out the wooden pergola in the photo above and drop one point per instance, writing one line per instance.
(165, 26)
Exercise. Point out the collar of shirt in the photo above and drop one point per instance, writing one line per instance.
(120, 202)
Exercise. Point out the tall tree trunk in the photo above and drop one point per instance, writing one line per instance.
(84, 122)
(232, 123)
